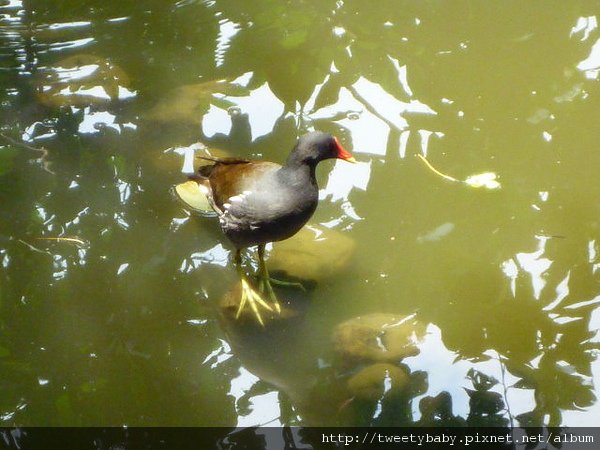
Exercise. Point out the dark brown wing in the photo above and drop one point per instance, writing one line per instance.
(206, 170)
(227, 160)
(204, 173)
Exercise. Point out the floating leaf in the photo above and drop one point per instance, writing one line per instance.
(485, 179)
(191, 194)
(488, 180)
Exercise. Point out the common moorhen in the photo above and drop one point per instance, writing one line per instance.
(259, 202)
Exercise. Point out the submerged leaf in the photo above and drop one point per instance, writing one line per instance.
(378, 337)
(437, 233)
(190, 102)
(230, 308)
(314, 253)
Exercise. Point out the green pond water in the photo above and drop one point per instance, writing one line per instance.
(428, 301)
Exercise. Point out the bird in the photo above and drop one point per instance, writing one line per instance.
(258, 202)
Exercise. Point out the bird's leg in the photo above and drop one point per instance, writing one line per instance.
(265, 281)
(248, 293)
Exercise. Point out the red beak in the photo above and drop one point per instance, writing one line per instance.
(342, 153)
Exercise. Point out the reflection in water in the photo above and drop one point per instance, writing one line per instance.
(370, 127)
(262, 107)
(534, 265)
(130, 329)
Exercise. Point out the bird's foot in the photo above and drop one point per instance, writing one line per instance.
(255, 299)
(265, 285)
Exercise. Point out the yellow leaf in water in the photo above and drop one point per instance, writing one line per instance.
(486, 179)
(314, 253)
(191, 194)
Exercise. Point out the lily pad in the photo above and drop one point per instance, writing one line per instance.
(83, 80)
(378, 337)
(314, 253)
(187, 104)
(372, 382)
